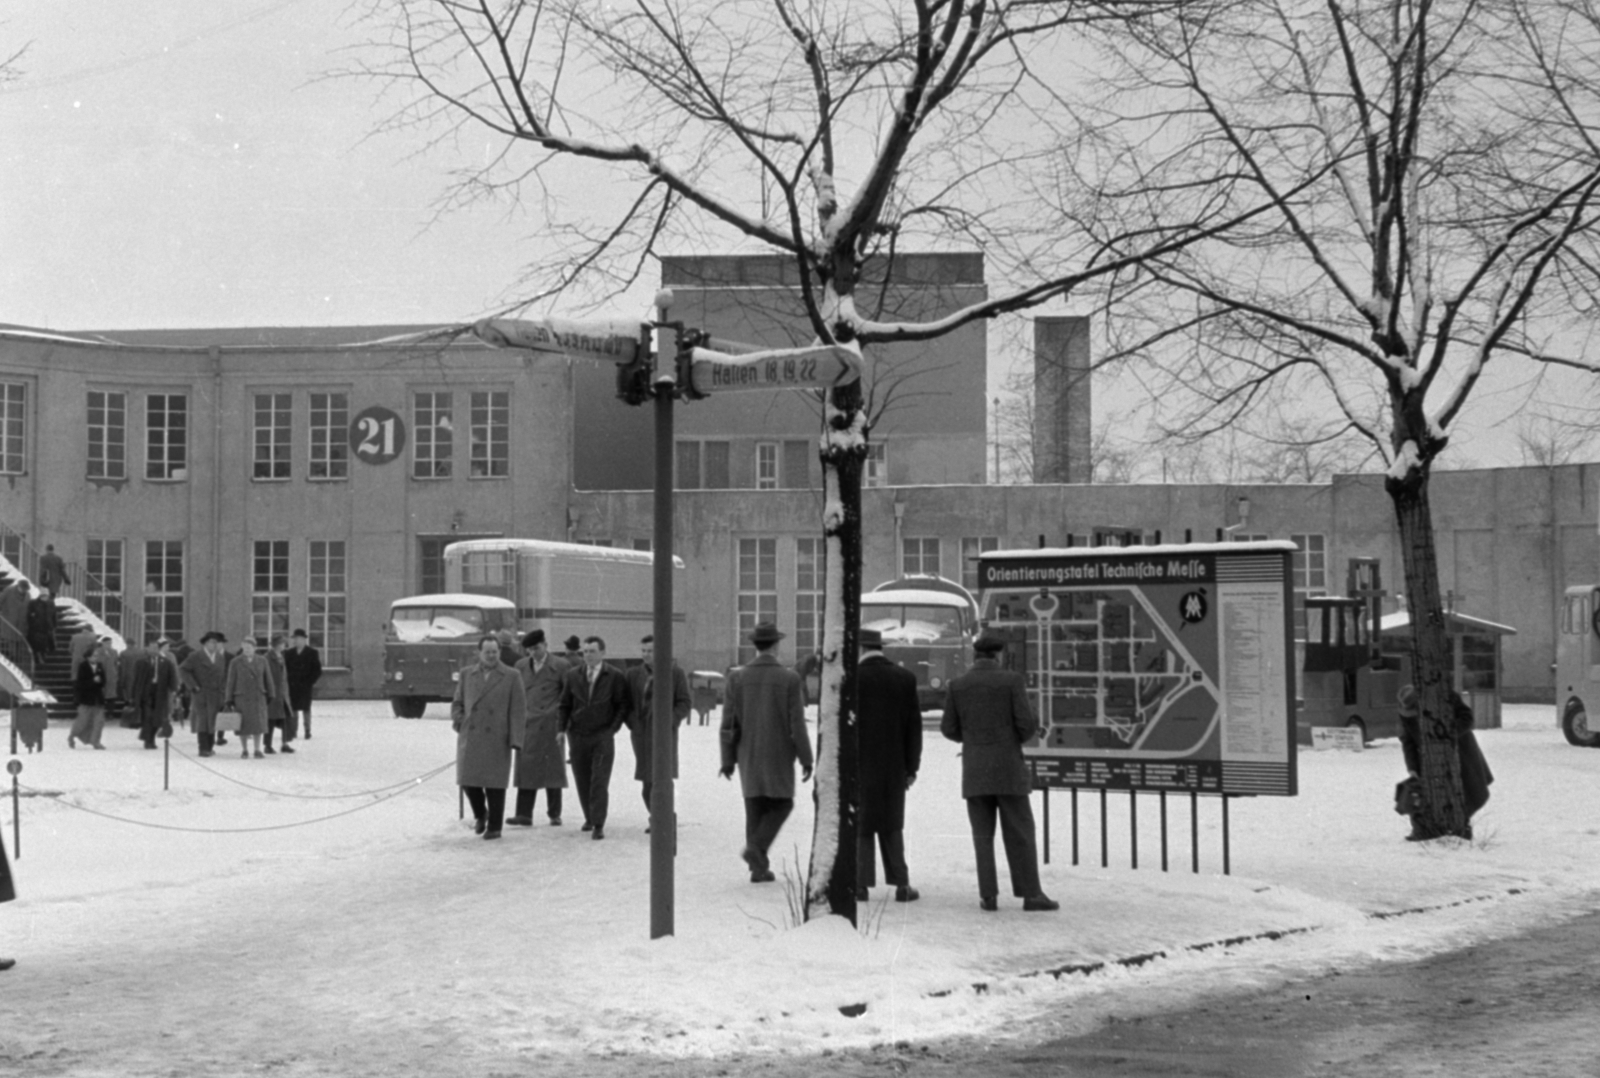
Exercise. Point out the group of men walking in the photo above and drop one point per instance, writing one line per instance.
(524, 720)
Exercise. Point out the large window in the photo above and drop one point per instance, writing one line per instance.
(491, 434)
(330, 436)
(108, 435)
(163, 588)
(919, 556)
(971, 547)
(808, 581)
(102, 587)
(766, 465)
(703, 465)
(327, 602)
(272, 430)
(434, 442)
(758, 589)
(797, 458)
(13, 428)
(1310, 575)
(269, 590)
(166, 436)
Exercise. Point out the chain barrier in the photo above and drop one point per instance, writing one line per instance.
(283, 793)
(409, 784)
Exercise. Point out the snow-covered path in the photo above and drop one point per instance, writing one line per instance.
(389, 939)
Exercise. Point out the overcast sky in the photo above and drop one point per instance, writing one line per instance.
(184, 163)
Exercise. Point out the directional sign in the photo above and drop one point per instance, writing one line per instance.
(816, 367)
(611, 339)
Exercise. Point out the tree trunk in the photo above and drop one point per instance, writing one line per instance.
(831, 881)
(1444, 811)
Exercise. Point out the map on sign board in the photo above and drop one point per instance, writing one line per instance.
(1163, 668)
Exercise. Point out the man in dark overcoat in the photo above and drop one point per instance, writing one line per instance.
(542, 763)
(8, 892)
(153, 683)
(488, 713)
(1475, 773)
(205, 674)
(594, 705)
(302, 666)
(889, 736)
(641, 689)
(52, 570)
(763, 734)
(987, 711)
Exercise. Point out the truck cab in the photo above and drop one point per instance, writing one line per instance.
(429, 638)
(928, 624)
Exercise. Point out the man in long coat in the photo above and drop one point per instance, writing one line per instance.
(987, 711)
(52, 570)
(542, 763)
(8, 893)
(205, 674)
(641, 687)
(303, 666)
(488, 714)
(594, 705)
(280, 715)
(763, 734)
(889, 735)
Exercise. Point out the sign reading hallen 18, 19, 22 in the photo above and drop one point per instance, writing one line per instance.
(377, 435)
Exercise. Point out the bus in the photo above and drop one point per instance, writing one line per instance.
(928, 625)
(566, 589)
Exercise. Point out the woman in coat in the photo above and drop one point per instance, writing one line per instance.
(487, 713)
(278, 712)
(89, 685)
(249, 692)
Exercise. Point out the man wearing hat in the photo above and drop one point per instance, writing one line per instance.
(763, 733)
(302, 667)
(542, 764)
(987, 710)
(641, 689)
(1475, 773)
(205, 674)
(889, 736)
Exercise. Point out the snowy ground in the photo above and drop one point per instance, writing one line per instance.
(327, 912)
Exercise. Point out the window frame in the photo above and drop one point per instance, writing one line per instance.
(105, 436)
(169, 458)
(334, 430)
(433, 441)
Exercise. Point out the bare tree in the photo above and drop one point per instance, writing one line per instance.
(834, 134)
(1433, 170)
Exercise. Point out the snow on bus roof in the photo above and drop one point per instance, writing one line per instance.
(551, 546)
(1154, 550)
(457, 598)
(913, 597)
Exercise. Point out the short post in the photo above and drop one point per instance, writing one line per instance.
(1074, 826)
(1047, 825)
(1163, 830)
(1194, 829)
(1224, 834)
(166, 764)
(1133, 825)
(15, 767)
(1105, 847)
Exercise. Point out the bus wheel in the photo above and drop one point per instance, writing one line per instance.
(408, 707)
(1575, 725)
(1358, 724)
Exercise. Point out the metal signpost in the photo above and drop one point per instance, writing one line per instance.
(702, 365)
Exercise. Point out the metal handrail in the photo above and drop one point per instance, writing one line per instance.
(84, 583)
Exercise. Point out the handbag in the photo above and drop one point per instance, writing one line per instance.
(228, 721)
(1407, 796)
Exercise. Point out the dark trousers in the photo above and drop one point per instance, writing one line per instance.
(488, 804)
(306, 711)
(893, 846)
(290, 727)
(149, 721)
(527, 798)
(763, 819)
(1016, 831)
(592, 757)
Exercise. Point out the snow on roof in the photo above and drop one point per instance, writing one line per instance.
(915, 597)
(1399, 620)
(550, 547)
(454, 598)
(1161, 550)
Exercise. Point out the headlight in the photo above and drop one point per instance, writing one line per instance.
(399, 675)
(455, 675)
(936, 682)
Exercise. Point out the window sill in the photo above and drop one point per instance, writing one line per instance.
(488, 478)
(327, 479)
(432, 478)
(166, 481)
(265, 479)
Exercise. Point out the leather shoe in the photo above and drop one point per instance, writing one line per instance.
(598, 833)
(587, 826)
(480, 825)
(270, 751)
(520, 821)
(765, 876)
(906, 894)
(862, 894)
(7, 963)
(555, 821)
(286, 748)
(1040, 903)
(988, 905)
(491, 834)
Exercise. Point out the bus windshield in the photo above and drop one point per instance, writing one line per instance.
(415, 624)
(914, 624)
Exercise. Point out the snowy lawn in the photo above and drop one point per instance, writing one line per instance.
(334, 894)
